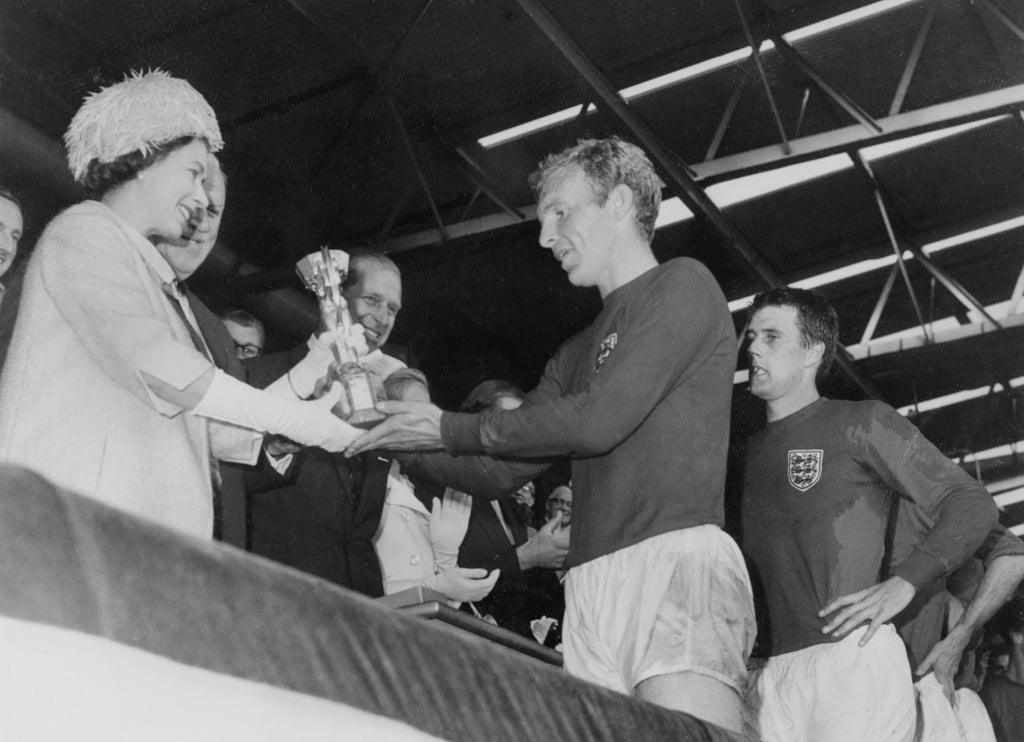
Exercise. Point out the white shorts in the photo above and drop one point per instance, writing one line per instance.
(835, 693)
(938, 721)
(676, 602)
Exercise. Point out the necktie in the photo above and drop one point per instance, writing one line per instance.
(178, 293)
(503, 521)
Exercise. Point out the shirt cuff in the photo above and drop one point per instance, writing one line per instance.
(919, 569)
(460, 432)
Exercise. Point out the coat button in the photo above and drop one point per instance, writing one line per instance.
(415, 559)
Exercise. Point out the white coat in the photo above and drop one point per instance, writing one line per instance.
(73, 404)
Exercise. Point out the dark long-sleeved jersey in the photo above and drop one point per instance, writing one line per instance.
(818, 489)
(639, 400)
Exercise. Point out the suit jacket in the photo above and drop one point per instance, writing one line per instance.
(321, 516)
(486, 544)
(230, 522)
(518, 597)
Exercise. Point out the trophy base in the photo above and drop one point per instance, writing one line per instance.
(364, 419)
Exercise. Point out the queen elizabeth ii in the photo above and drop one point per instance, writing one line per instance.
(106, 389)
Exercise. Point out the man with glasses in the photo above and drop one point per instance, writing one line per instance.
(560, 501)
(246, 331)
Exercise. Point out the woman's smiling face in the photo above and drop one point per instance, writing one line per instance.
(171, 191)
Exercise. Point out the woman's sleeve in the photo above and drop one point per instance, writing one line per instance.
(107, 296)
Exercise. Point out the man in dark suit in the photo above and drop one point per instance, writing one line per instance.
(497, 538)
(320, 517)
(185, 258)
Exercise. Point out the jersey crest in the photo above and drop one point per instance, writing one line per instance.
(604, 350)
(805, 468)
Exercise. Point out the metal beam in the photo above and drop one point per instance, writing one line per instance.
(727, 114)
(465, 228)
(420, 175)
(954, 287)
(482, 179)
(915, 56)
(886, 345)
(396, 210)
(373, 83)
(804, 100)
(286, 104)
(842, 99)
(900, 262)
(849, 139)
(755, 49)
(1018, 292)
(674, 171)
(472, 202)
(876, 313)
(1014, 27)
(948, 282)
(865, 170)
(313, 12)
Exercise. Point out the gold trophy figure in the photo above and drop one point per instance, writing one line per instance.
(323, 272)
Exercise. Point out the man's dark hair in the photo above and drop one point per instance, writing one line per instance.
(7, 193)
(101, 177)
(815, 317)
(486, 394)
(359, 257)
(243, 318)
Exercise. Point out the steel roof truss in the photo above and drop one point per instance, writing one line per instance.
(876, 313)
(915, 56)
(844, 101)
(727, 114)
(420, 175)
(755, 45)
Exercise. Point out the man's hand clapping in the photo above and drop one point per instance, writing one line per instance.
(548, 548)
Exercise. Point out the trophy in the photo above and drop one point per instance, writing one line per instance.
(323, 272)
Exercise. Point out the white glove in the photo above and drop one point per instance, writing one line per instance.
(467, 585)
(300, 381)
(309, 423)
(449, 520)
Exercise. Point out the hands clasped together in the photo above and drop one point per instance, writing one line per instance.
(449, 520)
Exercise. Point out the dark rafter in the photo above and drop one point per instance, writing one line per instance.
(372, 84)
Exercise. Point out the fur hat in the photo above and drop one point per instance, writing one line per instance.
(141, 112)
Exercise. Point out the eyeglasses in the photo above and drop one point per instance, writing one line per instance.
(248, 350)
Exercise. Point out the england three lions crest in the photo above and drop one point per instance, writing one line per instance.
(805, 468)
(605, 349)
